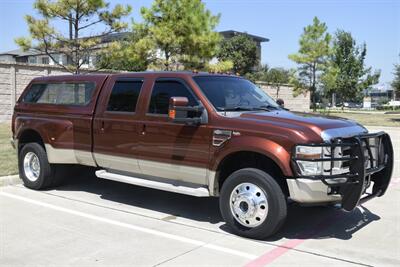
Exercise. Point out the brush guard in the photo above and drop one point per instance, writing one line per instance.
(366, 162)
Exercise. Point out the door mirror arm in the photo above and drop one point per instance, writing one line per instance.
(179, 110)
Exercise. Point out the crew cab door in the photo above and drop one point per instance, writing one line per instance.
(170, 150)
(116, 136)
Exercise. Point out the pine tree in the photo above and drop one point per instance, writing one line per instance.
(178, 32)
(80, 18)
(311, 57)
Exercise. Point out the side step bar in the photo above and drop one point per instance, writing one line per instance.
(197, 192)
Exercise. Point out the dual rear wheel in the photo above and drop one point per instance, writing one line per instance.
(35, 170)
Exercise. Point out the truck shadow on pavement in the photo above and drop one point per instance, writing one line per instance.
(302, 222)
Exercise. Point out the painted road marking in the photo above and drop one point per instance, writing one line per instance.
(133, 227)
(272, 255)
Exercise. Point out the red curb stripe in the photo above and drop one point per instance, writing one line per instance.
(272, 255)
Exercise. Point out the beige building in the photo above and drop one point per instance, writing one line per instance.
(35, 57)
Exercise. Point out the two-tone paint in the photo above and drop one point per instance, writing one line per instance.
(151, 146)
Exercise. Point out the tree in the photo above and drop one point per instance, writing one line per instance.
(396, 81)
(178, 31)
(346, 74)
(275, 77)
(241, 50)
(220, 66)
(311, 58)
(81, 17)
(130, 54)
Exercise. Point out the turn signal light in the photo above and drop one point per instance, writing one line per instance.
(172, 114)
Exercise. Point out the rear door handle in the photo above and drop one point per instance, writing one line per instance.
(143, 132)
(102, 126)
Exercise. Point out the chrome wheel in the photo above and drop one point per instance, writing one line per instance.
(249, 205)
(31, 166)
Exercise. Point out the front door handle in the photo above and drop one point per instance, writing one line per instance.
(102, 126)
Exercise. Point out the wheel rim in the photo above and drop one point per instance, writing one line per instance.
(249, 205)
(31, 166)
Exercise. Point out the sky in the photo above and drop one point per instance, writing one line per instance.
(375, 22)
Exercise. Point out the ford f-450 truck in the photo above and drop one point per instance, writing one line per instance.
(200, 134)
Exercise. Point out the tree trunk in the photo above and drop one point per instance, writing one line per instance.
(76, 28)
(313, 89)
(277, 91)
(167, 57)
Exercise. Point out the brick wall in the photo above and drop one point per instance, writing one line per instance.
(298, 103)
(5, 92)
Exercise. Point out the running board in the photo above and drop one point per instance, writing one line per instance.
(197, 192)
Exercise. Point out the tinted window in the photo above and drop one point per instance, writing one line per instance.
(230, 92)
(163, 91)
(124, 96)
(60, 93)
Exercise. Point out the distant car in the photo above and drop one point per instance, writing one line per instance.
(352, 105)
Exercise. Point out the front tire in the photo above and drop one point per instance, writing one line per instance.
(35, 169)
(252, 203)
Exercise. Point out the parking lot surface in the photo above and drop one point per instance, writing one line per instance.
(94, 222)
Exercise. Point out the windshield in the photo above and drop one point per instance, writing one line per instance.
(234, 94)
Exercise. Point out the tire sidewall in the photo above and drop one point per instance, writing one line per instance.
(275, 199)
(44, 165)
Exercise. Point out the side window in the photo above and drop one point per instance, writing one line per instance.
(124, 96)
(163, 91)
(60, 93)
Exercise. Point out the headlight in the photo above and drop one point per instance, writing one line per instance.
(308, 153)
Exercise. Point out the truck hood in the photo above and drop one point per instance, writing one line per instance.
(327, 127)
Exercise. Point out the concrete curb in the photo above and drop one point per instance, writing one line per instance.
(10, 180)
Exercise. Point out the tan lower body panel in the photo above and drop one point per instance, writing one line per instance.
(69, 156)
(194, 175)
(188, 174)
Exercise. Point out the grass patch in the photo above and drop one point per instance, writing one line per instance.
(8, 156)
(369, 119)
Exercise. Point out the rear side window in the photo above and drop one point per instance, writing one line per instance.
(163, 91)
(124, 96)
(60, 93)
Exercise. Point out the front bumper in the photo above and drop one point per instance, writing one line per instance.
(307, 191)
(367, 163)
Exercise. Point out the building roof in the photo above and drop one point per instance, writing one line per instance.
(125, 35)
(231, 33)
(21, 53)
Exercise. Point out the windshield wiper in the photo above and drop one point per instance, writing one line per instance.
(242, 108)
(269, 107)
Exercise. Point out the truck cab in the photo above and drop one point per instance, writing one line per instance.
(200, 134)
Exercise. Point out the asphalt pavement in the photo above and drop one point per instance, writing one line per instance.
(95, 222)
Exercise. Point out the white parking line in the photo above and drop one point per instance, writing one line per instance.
(133, 227)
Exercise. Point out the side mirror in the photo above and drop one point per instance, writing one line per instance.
(280, 102)
(180, 112)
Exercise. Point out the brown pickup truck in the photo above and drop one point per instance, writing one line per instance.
(198, 134)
